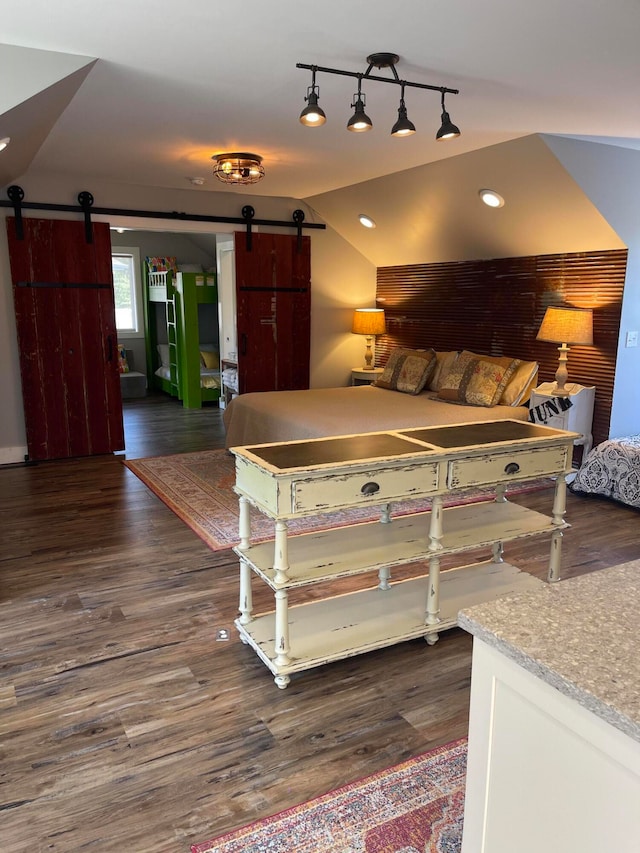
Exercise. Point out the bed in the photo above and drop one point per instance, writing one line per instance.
(209, 370)
(395, 401)
(612, 470)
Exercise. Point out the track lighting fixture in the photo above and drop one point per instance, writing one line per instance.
(448, 130)
(314, 116)
(238, 168)
(359, 121)
(403, 126)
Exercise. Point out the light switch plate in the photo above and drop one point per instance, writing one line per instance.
(632, 339)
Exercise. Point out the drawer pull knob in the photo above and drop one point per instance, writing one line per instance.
(512, 468)
(370, 488)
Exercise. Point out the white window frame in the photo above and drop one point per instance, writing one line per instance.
(134, 253)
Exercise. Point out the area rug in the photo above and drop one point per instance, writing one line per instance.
(414, 807)
(198, 487)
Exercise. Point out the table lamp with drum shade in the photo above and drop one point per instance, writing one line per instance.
(369, 322)
(566, 326)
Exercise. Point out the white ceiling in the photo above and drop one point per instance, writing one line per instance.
(176, 82)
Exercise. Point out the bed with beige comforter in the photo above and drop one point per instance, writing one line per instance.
(273, 416)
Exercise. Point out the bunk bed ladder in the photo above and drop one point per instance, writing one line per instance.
(172, 334)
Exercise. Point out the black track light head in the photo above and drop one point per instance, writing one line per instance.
(312, 115)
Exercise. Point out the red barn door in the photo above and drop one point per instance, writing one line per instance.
(273, 305)
(65, 317)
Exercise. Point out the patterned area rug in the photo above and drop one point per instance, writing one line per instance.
(414, 807)
(198, 488)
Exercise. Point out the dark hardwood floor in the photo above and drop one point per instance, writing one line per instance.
(127, 726)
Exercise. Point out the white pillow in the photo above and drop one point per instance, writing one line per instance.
(163, 352)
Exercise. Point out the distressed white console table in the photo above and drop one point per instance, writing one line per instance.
(302, 478)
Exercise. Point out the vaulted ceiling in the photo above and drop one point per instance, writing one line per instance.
(145, 93)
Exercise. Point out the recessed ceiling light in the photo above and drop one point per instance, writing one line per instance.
(367, 221)
(491, 198)
(197, 182)
(4, 142)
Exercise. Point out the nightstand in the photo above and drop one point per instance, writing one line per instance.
(365, 375)
(578, 418)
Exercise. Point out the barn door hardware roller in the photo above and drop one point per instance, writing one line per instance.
(85, 200)
(16, 195)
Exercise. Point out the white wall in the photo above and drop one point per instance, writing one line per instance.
(610, 177)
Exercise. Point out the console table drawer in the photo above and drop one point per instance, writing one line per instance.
(364, 487)
(502, 467)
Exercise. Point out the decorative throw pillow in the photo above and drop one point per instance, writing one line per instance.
(478, 382)
(163, 352)
(158, 264)
(444, 364)
(407, 370)
(521, 384)
(450, 382)
(123, 364)
(210, 360)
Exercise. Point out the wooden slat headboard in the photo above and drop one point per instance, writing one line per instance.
(496, 307)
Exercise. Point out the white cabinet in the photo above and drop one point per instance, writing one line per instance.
(578, 417)
(305, 478)
(554, 725)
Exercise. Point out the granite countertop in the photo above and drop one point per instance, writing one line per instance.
(581, 636)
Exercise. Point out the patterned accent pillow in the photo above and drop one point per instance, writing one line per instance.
(443, 366)
(407, 370)
(521, 384)
(477, 382)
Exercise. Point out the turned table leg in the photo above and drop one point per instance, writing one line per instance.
(281, 553)
(245, 605)
(282, 636)
(559, 509)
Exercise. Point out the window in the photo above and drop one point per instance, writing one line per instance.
(127, 291)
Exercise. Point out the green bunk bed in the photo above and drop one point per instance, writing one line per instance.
(181, 332)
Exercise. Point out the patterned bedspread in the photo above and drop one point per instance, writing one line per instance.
(612, 469)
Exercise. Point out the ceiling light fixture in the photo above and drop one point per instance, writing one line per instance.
(312, 115)
(359, 121)
(238, 168)
(403, 126)
(367, 221)
(448, 130)
(491, 198)
(4, 142)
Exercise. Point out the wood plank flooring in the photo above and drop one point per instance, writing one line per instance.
(125, 724)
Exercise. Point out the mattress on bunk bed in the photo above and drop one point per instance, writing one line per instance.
(208, 378)
(612, 470)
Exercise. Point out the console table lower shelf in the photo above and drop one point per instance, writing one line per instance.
(356, 622)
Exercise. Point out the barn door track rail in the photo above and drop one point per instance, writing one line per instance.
(86, 207)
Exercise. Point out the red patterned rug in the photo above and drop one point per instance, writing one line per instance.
(414, 807)
(198, 488)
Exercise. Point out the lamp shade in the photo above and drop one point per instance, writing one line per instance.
(368, 321)
(567, 326)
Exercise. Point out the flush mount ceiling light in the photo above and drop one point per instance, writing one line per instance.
(238, 168)
(313, 116)
(491, 198)
(367, 221)
(4, 142)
